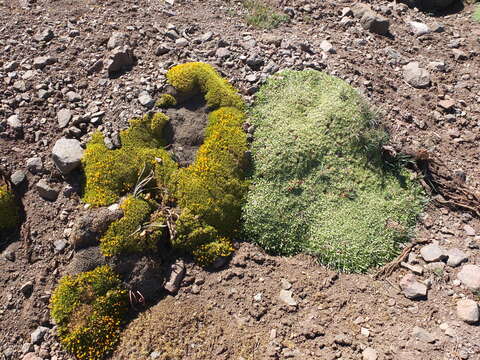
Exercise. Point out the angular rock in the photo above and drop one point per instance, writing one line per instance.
(419, 28)
(45, 35)
(14, 122)
(459, 54)
(177, 272)
(470, 231)
(413, 289)
(27, 288)
(145, 99)
(181, 42)
(416, 76)
(467, 310)
(117, 39)
(10, 66)
(327, 47)
(456, 257)
(38, 335)
(432, 253)
(162, 49)
(42, 61)
(31, 356)
(222, 53)
(63, 117)
(121, 59)
(66, 154)
(34, 165)
(73, 96)
(17, 177)
(423, 335)
(46, 191)
(369, 354)
(375, 23)
(469, 275)
(285, 296)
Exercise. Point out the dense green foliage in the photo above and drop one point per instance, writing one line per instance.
(263, 16)
(320, 183)
(112, 173)
(89, 310)
(476, 13)
(8, 208)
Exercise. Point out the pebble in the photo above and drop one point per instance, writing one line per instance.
(45, 35)
(285, 296)
(145, 99)
(327, 47)
(18, 177)
(120, 59)
(67, 154)
(38, 335)
(469, 275)
(423, 335)
(413, 289)
(63, 117)
(419, 28)
(31, 356)
(467, 311)
(416, 76)
(369, 354)
(27, 288)
(46, 191)
(222, 53)
(72, 96)
(34, 165)
(456, 257)
(286, 285)
(470, 231)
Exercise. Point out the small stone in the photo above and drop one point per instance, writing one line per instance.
(470, 231)
(467, 310)
(375, 23)
(346, 11)
(21, 86)
(327, 47)
(45, 191)
(456, 257)
(413, 289)
(286, 285)
(446, 104)
(182, 42)
(72, 96)
(45, 35)
(42, 61)
(432, 252)
(146, 100)
(177, 272)
(369, 354)
(222, 53)
(423, 335)
(257, 297)
(27, 288)
(365, 332)
(38, 335)
(459, 55)
(31, 356)
(116, 39)
(34, 165)
(286, 297)
(470, 277)
(17, 177)
(66, 154)
(419, 28)
(416, 269)
(162, 49)
(121, 59)
(10, 66)
(63, 117)
(14, 122)
(415, 75)
(437, 66)
(59, 245)
(206, 37)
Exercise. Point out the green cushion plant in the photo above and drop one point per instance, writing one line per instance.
(89, 310)
(320, 183)
(8, 208)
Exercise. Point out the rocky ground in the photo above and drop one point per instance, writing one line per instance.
(69, 67)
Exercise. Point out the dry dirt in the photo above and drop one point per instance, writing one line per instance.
(235, 312)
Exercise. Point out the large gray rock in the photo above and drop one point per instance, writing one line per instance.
(467, 310)
(66, 154)
(375, 23)
(470, 277)
(416, 76)
(63, 117)
(413, 289)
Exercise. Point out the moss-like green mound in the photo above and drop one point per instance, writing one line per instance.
(112, 173)
(320, 183)
(8, 208)
(89, 310)
(205, 198)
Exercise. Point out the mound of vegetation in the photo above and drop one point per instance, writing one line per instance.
(8, 208)
(320, 184)
(89, 310)
(200, 204)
